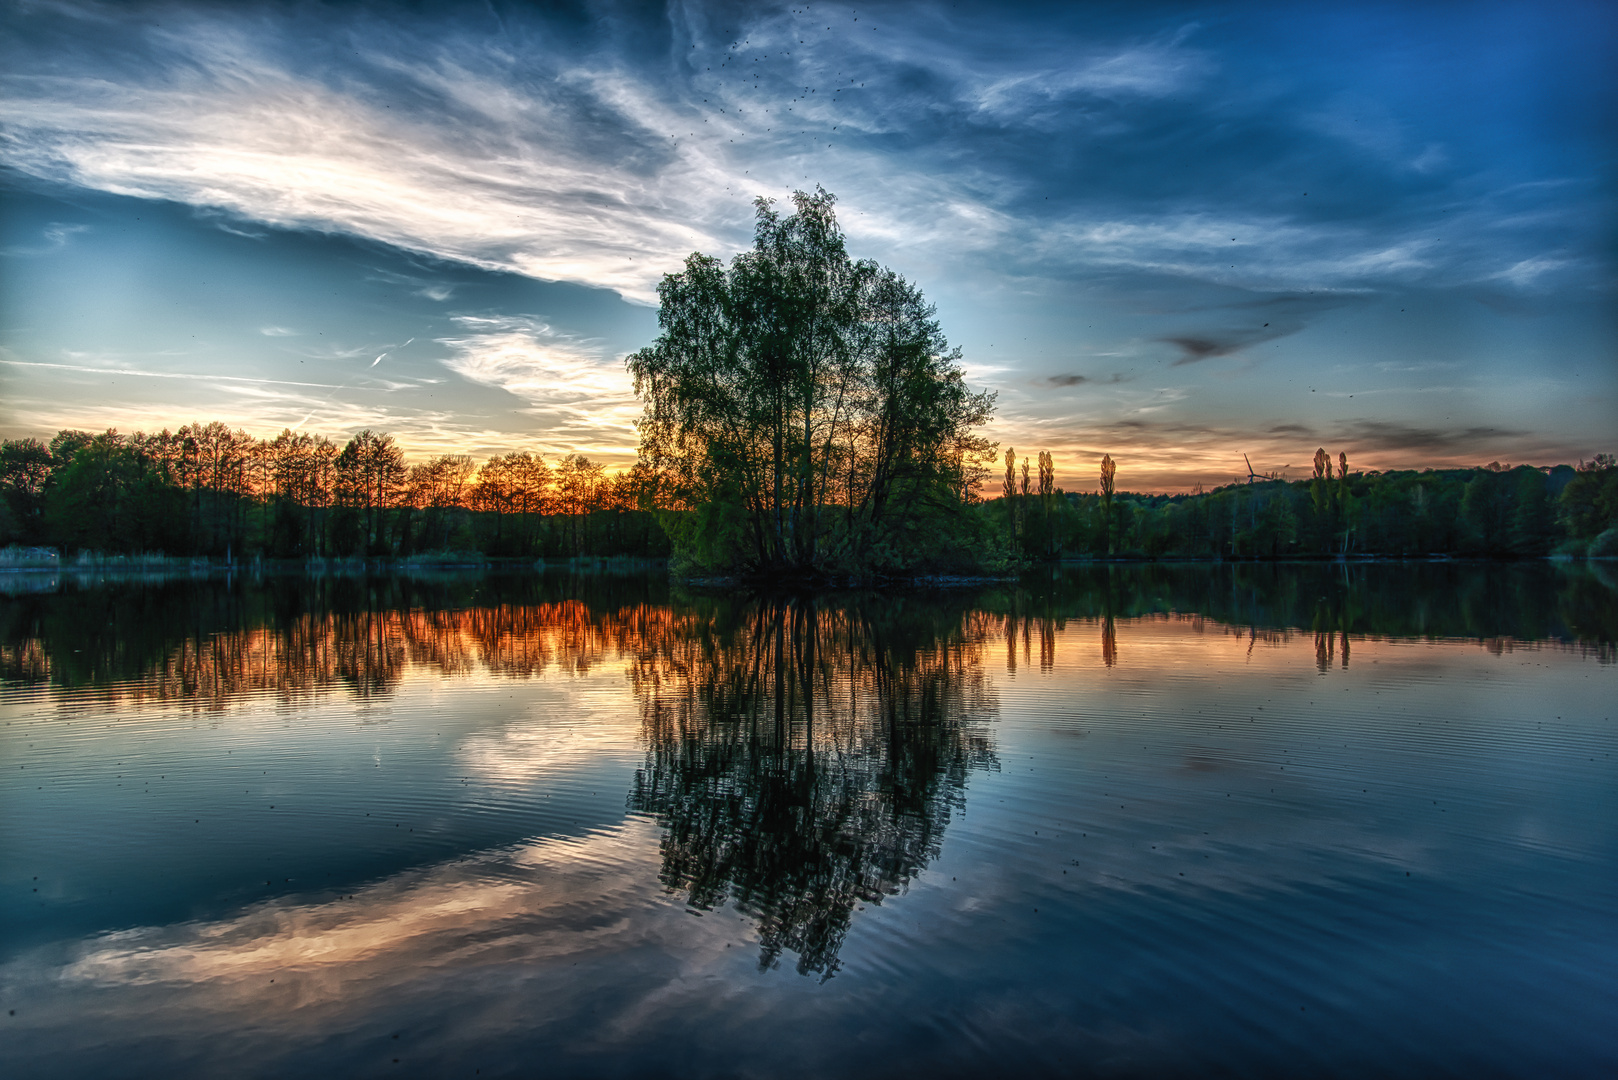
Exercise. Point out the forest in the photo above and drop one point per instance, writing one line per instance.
(1492, 511)
(207, 490)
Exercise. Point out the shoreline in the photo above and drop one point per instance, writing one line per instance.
(204, 565)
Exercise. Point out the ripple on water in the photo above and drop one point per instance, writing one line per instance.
(611, 833)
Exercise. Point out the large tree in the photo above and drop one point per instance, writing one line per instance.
(371, 475)
(25, 472)
(807, 409)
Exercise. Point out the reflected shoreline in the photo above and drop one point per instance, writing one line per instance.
(207, 641)
(605, 823)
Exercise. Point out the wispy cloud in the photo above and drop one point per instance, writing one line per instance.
(581, 395)
(147, 393)
(1226, 197)
(1528, 271)
(513, 176)
(186, 376)
(53, 238)
(1148, 70)
(577, 168)
(604, 167)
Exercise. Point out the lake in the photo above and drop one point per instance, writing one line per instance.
(1325, 820)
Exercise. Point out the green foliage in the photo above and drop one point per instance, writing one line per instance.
(370, 473)
(809, 410)
(208, 490)
(111, 497)
(1491, 512)
(25, 471)
(1589, 502)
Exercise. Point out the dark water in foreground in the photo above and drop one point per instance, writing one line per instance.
(1297, 820)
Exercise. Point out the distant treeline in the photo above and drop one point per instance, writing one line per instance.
(208, 490)
(1490, 512)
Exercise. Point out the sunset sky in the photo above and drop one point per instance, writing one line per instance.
(1170, 232)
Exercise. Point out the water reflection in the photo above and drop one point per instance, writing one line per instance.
(1344, 648)
(1202, 799)
(206, 641)
(1575, 604)
(804, 757)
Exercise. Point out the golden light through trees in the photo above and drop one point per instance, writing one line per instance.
(207, 489)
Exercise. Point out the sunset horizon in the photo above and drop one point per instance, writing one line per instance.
(1167, 237)
(697, 538)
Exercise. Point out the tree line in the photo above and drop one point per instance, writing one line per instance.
(209, 490)
(1493, 511)
(803, 418)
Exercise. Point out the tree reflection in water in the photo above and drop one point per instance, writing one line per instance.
(209, 643)
(804, 757)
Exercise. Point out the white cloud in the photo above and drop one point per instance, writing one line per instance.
(55, 235)
(512, 177)
(561, 167)
(1432, 158)
(583, 397)
(1528, 271)
(1146, 71)
(1265, 253)
(607, 163)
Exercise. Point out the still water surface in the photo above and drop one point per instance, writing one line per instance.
(1294, 820)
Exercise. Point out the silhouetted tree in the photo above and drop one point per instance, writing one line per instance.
(370, 477)
(1109, 472)
(25, 472)
(806, 407)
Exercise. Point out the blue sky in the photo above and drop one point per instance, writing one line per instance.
(1174, 232)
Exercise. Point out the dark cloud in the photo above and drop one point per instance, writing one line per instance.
(1206, 347)
(1165, 429)
(1209, 344)
(1254, 321)
(1385, 435)
(1291, 310)
(1405, 443)
(1506, 303)
(1072, 379)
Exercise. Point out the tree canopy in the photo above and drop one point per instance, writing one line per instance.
(807, 411)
